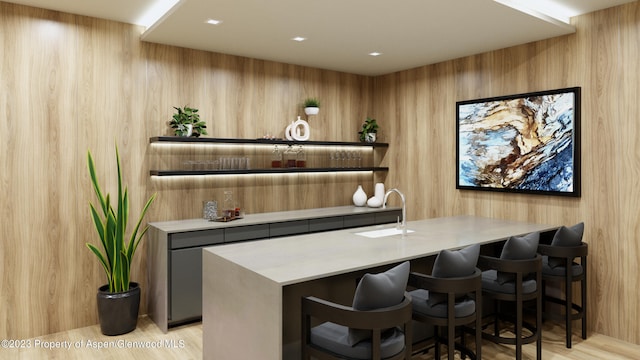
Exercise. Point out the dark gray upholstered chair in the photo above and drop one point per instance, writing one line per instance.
(376, 326)
(450, 297)
(559, 266)
(515, 277)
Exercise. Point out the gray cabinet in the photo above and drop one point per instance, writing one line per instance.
(185, 301)
(185, 272)
(175, 263)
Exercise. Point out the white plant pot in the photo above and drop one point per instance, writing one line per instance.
(189, 130)
(311, 110)
(370, 137)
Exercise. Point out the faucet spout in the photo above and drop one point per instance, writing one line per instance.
(404, 207)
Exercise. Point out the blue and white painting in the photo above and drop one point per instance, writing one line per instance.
(525, 143)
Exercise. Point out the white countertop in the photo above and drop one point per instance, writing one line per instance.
(296, 259)
(261, 218)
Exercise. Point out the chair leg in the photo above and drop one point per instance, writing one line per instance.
(539, 303)
(479, 334)
(462, 343)
(451, 341)
(436, 348)
(544, 296)
(568, 308)
(583, 304)
(496, 311)
(519, 330)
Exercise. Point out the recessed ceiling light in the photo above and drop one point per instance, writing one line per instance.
(213, 22)
(299, 38)
(375, 53)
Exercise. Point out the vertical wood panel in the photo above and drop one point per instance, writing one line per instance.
(601, 57)
(37, 167)
(70, 83)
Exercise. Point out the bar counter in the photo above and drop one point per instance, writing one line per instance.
(252, 290)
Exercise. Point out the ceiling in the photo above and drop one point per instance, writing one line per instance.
(340, 34)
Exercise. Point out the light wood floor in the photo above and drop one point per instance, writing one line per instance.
(148, 342)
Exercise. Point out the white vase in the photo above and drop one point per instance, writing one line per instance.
(294, 132)
(359, 197)
(379, 192)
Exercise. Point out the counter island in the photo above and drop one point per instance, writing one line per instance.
(252, 290)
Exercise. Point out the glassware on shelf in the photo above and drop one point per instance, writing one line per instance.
(276, 158)
(290, 157)
(301, 157)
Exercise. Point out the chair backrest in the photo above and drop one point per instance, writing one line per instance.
(520, 270)
(452, 288)
(568, 252)
(373, 321)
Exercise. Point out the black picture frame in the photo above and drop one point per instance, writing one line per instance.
(523, 143)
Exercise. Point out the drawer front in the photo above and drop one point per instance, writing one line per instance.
(326, 224)
(351, 221)
(289, 228)
(251, 232)
(196, 238)
(388, 217)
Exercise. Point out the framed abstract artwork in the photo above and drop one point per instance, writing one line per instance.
(523, 143)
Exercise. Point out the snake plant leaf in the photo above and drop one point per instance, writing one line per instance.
(117, 253)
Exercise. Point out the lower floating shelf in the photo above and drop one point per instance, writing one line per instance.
(260, 171)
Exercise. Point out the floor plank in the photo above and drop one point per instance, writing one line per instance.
(185, 342)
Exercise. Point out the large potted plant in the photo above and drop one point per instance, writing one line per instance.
(119, 299)
(186, 122)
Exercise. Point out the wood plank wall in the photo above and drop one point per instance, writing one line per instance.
(601, 57)
(70, 83)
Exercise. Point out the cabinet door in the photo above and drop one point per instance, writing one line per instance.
(186, 284)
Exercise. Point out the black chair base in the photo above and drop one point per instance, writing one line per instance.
(572, 311)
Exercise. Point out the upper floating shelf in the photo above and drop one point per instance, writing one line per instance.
(206, 140)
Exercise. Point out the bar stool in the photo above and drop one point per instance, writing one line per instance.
(376, 326)
(558, 266)
(450, 297)
(515, 277)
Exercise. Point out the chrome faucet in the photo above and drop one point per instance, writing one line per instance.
(404, 208)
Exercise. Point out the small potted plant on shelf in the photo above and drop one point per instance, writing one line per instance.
(186, 122)
(311, 106)
(118, 300)
(369, 130)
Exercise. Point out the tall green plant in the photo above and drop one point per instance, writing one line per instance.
(112, 227)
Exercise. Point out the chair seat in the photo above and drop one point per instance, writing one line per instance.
(335, 337)
(576, 269)
(490, 282)
(465, 307)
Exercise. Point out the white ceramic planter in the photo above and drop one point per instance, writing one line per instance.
(311, 110)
